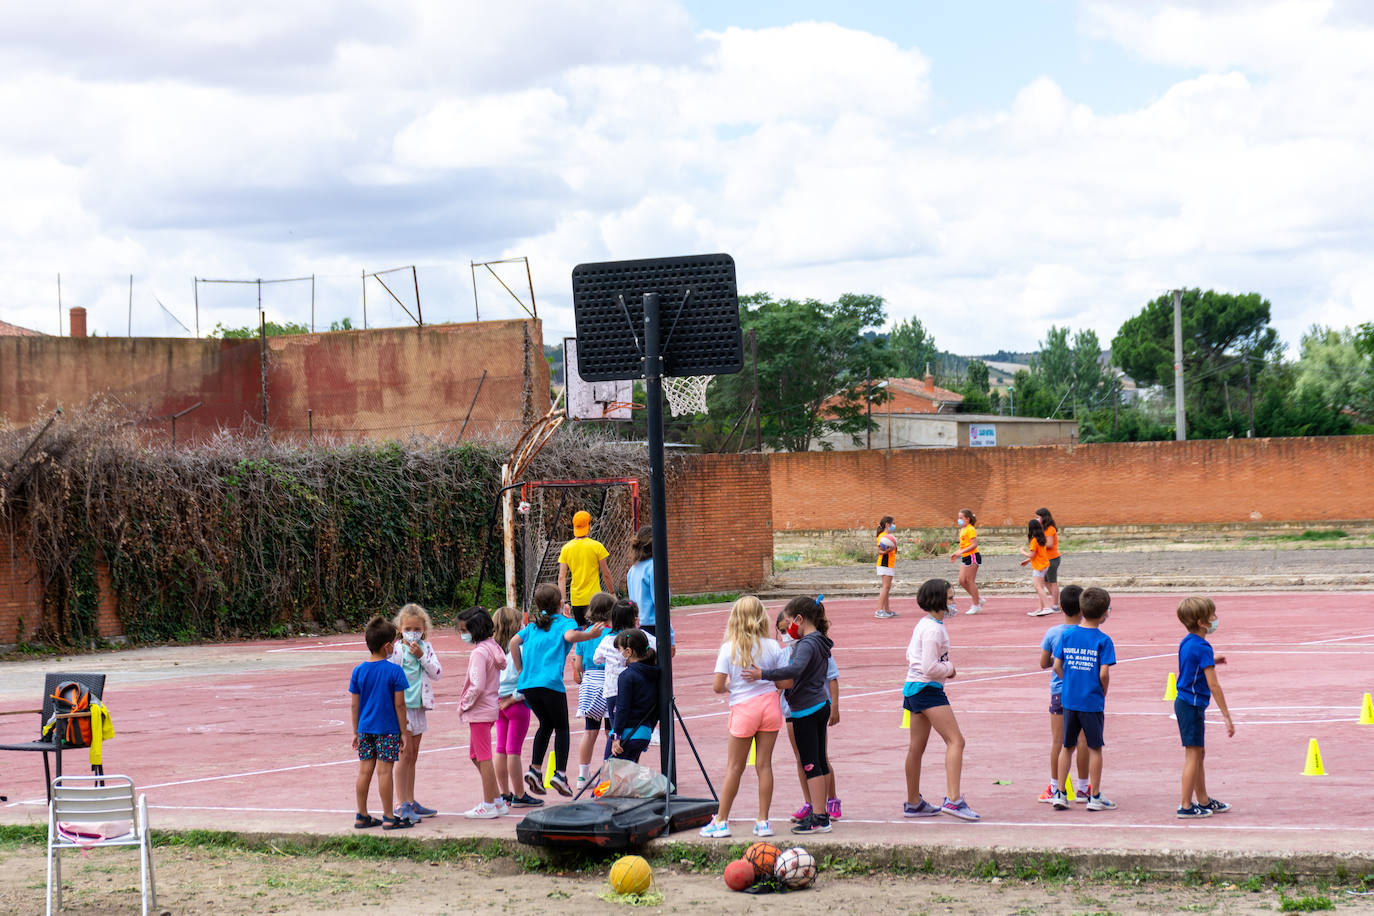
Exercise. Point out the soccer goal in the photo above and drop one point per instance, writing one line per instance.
(545, 516)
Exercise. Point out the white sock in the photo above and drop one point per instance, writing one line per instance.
(490, 803)
(583, 769)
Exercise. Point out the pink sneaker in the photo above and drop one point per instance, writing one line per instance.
(832, 808)
(802, 813)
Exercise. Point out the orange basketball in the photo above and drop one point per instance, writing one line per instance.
(764, 858)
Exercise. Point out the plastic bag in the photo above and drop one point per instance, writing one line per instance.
(633, 780)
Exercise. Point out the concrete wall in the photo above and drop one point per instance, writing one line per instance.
(375, 384)
(906, 431)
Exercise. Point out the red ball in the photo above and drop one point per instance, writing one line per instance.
(739, 874)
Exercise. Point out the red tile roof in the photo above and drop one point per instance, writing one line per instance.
(14, 330)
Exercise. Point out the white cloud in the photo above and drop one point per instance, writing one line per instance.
(246, 140)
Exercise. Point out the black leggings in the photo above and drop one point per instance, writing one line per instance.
(550, 707)
(810, 734)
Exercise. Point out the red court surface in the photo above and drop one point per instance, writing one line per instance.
(256, 737)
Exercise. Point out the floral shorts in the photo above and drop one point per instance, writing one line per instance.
(379, 747)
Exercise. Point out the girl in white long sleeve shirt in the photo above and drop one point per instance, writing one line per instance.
(923, 697)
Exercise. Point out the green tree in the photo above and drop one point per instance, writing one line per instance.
(975, 388)
(1090, 381)
(808, 352)
(1224, 334)
(1054, 363)
(1332, 368)
(912, 348)
(273, 330)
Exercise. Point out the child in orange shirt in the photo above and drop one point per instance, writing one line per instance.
(1052, 551)
(1037, 555)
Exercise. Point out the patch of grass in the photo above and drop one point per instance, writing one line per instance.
(1316, 534)
(1304, 904)
(650, 897)
(709, 598)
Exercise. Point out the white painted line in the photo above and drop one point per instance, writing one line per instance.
(1317, 642)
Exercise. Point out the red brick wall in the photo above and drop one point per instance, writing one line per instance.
(21, 597)
(1226, 480)
(720, 523)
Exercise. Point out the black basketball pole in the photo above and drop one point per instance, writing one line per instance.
(658, 511)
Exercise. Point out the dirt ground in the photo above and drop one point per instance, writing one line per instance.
(215, 880)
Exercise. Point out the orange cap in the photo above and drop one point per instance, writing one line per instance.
(582, 523)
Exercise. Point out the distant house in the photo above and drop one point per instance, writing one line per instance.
(906, 396)
(14, 330)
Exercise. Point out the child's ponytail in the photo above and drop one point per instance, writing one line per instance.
(546, 601)
(882, 525)
(637, 641)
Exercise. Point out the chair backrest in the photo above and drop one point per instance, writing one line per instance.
(95, 683)
(92, 799)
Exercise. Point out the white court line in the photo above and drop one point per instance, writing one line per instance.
(1099, 823)
(318, 646)
(1317, 642)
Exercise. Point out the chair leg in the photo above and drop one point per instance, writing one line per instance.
(47, 776)
(143, 875)
(152, 876)
(50, 857)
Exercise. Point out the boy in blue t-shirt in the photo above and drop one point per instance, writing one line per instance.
(1068, 601)
(380, 730)
(1197, 684)
(1083, 660)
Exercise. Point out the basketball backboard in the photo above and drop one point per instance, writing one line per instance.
(698, 314)
(594, 400)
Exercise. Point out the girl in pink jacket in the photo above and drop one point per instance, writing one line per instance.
(478, 704)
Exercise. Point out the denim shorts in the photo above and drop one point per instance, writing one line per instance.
(1191, 724)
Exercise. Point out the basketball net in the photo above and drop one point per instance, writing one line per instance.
(686, 394)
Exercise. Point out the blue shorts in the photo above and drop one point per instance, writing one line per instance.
(928, 697)
(1089, 723)
(1056, 704)
(1191, 724)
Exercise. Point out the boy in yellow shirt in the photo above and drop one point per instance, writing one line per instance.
(585, 559)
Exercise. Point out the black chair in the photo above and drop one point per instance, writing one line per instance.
(52, 743)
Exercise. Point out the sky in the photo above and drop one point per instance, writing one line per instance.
(991, 168)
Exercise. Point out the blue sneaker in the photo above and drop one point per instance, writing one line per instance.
(406, 812)
(715, 830)
(422, 810)
(924, 809)
(959, 809)
(1215, 806)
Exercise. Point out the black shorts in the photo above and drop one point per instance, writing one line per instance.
(1090, 723)
(1052, 574)
(974, 559)
(928, 697)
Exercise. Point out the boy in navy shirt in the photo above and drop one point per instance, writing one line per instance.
(1083, 660)
(1197, 684)
(380, 730)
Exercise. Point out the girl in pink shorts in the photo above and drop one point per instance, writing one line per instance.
(479, 704)
(512, 719)
(755, 713)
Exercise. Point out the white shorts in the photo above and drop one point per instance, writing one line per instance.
(885, 571)
(1037, 573)
(416, 720)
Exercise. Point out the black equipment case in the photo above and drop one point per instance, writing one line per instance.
(612, 823)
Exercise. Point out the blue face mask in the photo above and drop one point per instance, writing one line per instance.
(467, 637)
(1212, 627)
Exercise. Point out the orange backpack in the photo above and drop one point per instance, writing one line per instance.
(71, 697)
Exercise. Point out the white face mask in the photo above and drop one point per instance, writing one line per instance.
(785, 638)
(1212, 627)
(467, 637)
(412, 635)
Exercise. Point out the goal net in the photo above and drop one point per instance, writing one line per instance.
(545, 525)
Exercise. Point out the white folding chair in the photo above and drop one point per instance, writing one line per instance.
(84, 812)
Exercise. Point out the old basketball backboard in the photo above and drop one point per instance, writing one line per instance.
(594, 400)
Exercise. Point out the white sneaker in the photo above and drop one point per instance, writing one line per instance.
(763, 828)
(973, 609)
(483, 811)
(654, 739)
(581, 783)
(502, 809)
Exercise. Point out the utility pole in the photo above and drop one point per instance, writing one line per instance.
(758, 409)
(868, 398)
(1180, 419)
(1249, 400)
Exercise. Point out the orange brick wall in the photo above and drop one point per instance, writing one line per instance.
(21, 596)
(1202, 482)
(720, 523)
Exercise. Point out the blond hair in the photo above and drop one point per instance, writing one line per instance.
(745, 631)
(507, 621)
(419, 613)
(1195, 611)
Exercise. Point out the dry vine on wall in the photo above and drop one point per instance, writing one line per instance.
(244, 536)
